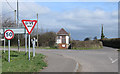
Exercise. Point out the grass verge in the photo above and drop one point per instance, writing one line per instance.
(86, 48)
(118, 50)
(47, 48)
(19, 62)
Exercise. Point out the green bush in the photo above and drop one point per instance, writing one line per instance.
(86, 44)
(115, 42)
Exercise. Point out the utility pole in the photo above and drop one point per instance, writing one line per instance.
(102, 34)
(15, 18)
(18, 25)
(37, 29)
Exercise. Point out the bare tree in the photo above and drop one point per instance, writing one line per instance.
(8, 23)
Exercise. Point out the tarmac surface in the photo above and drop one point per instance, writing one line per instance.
(99, 60)
(96, 60)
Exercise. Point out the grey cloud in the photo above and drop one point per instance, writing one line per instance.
(80, 23)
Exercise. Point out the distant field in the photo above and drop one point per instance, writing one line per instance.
(19, 62)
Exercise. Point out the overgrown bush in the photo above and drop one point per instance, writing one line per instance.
(14, 41)
(86, 44)
(47, 39)
(115, 42)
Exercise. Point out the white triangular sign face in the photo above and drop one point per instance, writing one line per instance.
(29, 25)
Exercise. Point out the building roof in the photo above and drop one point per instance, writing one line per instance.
(62, 32)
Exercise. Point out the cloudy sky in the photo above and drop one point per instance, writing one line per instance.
(81, 19)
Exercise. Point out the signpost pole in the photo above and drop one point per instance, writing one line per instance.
(26, 43)
(4, 44)
(33, 47)
(29, 47)
(9, 34)
(29, 25)
(8, 50)
(4, 39)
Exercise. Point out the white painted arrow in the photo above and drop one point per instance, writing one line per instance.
(113, 61)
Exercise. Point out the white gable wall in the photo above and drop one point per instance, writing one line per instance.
(60, 40)
(67, 39)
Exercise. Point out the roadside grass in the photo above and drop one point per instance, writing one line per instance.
(0, 62)
(118, 50)
(46, 48)
(19, 62)
(13, 46)
(82, 48)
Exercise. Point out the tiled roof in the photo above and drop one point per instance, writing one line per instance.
(62, 32)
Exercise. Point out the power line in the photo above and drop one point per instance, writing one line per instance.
(10, 5)
(4, 14)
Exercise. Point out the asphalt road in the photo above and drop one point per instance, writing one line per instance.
(99, 60)
(56, 63)
(59, 63)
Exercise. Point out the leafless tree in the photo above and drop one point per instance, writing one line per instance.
(8, 23)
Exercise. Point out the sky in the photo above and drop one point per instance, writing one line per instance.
(80, 19)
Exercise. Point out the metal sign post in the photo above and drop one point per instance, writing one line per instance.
(26, 43)
(4, 44)
(29, 47)
(20, 30)
(29, 25)
(33, 42)
(8, 50)
(33, 47)
(8, 34)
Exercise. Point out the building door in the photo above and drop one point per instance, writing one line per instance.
(63, 40)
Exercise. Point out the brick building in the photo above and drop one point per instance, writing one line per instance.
(63, 39)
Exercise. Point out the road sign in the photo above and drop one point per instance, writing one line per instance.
(17, 30)
(29, 25)
(8, 34)
(20, 30)
(1, 31)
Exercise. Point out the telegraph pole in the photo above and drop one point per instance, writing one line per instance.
(102, 34)
(18, 25)
(15, 18)
(37, 29)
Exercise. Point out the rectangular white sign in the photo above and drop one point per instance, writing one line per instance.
(15, 30)
(1, 31)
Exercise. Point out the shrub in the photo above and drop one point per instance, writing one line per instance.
(86, 44)
(115, 42)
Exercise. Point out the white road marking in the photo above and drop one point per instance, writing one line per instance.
(113, 61)
(76, 68)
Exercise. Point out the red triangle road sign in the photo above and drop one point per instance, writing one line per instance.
(29, 25)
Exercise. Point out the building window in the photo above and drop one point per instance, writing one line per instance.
(63, 39)
(58, 37)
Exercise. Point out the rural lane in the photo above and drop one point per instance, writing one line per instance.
(99, 60)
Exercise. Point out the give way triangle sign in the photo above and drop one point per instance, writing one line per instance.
(29, 25)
